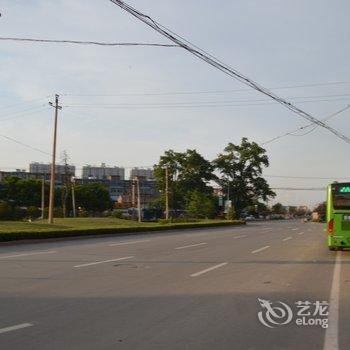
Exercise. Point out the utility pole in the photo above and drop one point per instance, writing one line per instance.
(138, 199)
(42, 197)
(166, 193)
(133, 194)
(53, 163)
(73, 198)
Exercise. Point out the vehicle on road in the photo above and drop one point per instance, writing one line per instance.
(338, 215)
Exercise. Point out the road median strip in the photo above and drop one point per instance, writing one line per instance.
(66, 232)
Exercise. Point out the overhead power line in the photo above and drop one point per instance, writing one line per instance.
(298, 189)
(79, 42)
(292, 133)
(201, 54)
(199, 92)
(24, 144)
(306, 177)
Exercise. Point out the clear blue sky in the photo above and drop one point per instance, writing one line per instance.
(277, 43)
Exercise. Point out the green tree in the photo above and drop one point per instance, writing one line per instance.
(201, 205)
(93, 197)
(278, 208)
(20, 192)
(240, 168)
(321, 209)
(187, 172)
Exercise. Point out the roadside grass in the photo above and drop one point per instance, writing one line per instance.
(69, 227)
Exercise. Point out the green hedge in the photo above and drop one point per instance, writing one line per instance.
(13, 236)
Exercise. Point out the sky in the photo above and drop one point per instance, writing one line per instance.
(124, 106)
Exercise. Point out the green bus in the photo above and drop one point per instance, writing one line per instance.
(338, 215)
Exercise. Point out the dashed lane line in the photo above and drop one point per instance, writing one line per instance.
(260, 249)
(208, 270)
(15, 328)
(191, 245)
(103, 262)
(27, 254)
(128, 242)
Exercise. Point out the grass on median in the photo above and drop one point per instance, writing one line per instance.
(69, 227)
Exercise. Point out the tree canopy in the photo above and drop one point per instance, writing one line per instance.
(240, 168)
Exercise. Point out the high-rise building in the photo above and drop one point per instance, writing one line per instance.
(42, 168)
(142, 174)
(103, 172)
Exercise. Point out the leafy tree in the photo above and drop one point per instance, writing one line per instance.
(278, 208)
(94, 197)
(293, 210)
(20, 192)
(201, 205)
(321, 209)
(5, 211)
(240, 168)
(187, 172)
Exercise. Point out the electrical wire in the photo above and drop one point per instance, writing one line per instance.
(79, 42)
(24, 144)
(201, 54)
(291, 133)
(202, 91)
(24, 113)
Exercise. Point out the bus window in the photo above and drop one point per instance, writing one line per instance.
(341, 197)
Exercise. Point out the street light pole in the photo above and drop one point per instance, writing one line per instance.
(53, 163)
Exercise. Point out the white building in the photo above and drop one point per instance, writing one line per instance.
(142, 174)
(103, 172)
(42, 168)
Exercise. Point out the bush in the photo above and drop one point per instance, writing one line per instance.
(19, 213)
(5, 211)
(33, 212)
(231, 214)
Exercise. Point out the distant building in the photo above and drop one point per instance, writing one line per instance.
(20, 173)
(103, 172)
(142, 174)
(42, 168)
(124, 192)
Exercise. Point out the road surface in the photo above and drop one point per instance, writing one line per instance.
(192, 289)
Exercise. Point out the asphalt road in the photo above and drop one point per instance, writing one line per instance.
(193, 289)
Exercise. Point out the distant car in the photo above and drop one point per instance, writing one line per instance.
(250, 218)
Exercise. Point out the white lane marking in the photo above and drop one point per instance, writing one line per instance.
(128, 242)
(103, 262)
(300, 233)
(27, 254)
(191, 245)
(286, 239)
(294, 229)
(14, 328)
(289, 227)
(260, 249)
(240, 236)
(267, 228)
(208, 269)
(331, 337)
